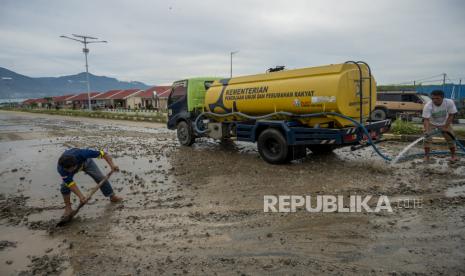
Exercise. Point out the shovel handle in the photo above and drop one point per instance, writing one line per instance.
(100, 184)
(93, 190)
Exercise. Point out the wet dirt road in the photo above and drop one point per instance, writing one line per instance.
(199, 210)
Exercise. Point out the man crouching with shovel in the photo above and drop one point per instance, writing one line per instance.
(74, 160)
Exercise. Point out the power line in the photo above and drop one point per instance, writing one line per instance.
(420, 80)
(438, 80)
(456, 79)
(430, 77)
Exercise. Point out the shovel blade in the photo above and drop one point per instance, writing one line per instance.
(66, 219)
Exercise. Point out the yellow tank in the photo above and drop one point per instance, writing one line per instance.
(330, 88)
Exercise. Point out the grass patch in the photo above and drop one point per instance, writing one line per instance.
(409, 128)
(404, 127)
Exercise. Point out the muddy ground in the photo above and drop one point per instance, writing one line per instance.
(199, 210)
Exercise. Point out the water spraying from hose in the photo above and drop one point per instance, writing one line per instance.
(411, 145)
(406, 149)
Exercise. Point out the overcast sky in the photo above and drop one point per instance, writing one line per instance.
(158, 42)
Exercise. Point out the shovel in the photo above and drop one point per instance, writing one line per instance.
(65, 219)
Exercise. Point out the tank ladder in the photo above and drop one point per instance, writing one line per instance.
(361, 79)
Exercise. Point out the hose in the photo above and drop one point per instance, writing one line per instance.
(321, 114)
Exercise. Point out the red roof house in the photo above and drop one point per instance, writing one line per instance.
(163, 91)
(83, 96)
(124, 94)
(106, 95)
(154, 97)
(125, 99)
(39, 102)
(81, 100)
(61, 100)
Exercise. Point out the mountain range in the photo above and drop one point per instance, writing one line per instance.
(14, 85)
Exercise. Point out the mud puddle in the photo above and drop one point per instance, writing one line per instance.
(31, 251)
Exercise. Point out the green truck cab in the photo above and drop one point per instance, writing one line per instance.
(185, 103)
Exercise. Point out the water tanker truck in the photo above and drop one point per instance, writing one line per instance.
(285, 112)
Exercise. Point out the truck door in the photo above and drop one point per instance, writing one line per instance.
(177, 103)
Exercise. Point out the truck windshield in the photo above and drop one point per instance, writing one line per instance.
(178, 92)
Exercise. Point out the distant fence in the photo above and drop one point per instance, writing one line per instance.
(141, 112)
(153, 116)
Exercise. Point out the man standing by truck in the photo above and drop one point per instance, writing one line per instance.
(75, 160)
(439, 114)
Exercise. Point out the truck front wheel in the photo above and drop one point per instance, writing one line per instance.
(185, 134)
(273, 147)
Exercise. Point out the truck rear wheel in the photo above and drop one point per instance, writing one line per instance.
(185, 133)
(273, 147)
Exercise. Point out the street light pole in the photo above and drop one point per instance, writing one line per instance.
(85, 40)
(86, 51)
(232, 53)
(460, 88)
(444, 82)
(7, 81)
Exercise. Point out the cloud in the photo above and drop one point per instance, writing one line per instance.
(158, 42)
